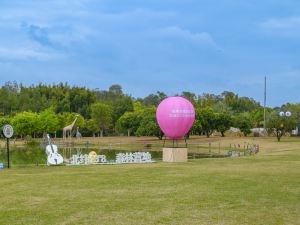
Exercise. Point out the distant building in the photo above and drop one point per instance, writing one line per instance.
(295, 132)
(259, 132)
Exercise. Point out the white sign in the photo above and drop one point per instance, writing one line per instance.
(182, 113)
(137, 157)
(121, 158)
(87, 159)
(8, 131)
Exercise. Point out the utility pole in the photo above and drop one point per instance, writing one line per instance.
(265, 102)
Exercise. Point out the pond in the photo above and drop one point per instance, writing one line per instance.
(36, 156)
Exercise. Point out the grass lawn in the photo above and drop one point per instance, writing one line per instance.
(262, 189)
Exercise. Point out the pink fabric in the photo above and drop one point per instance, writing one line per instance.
(175, 116)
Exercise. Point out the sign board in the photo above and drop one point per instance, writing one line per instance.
(8, 131)
(121, 158)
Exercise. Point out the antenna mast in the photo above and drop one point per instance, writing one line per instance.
(265, 102)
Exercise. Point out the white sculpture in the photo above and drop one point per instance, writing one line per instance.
(53, 157)
(78, 134)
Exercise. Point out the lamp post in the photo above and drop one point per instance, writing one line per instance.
(283, 115)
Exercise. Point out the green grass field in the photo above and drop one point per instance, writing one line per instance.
(262, 189)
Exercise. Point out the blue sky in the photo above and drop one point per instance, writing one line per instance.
(150, 45)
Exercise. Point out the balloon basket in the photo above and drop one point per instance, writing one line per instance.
(175, 152)
(174, 155)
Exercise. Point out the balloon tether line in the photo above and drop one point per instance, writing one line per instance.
(164, 141)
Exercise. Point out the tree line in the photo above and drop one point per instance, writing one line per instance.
(40, 109)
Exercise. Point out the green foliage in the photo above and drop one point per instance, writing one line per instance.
(56, 106)
(92, 126)
(208, 100)
(68, 118)
(9, 98)
(120, 106)
(239, 104)
(295, 110)
(154, 99)
(148, 124)
(196, 129)
(129, 122)
(47, 121)
(244, 123)
(141, 123)
(189, 96)
(17, 98)
(208, 120)
(25, 123)
(102, 116)
(223, 123)
(116, 89)
(4, 120)
(279, 125)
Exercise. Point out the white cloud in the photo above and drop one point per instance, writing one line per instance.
(288, 27)
(202, 38)
(25, 53)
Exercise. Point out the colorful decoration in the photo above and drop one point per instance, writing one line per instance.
(175, 116)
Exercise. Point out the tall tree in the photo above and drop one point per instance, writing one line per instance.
(120, 106)
(102, 116)
(116, 89)
(148, 125)
(154, 99)
(190, 96)
(223, 122)
(130, 122)
(208, 120)
(47, 121)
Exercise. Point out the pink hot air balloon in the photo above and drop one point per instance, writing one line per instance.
(175, 116)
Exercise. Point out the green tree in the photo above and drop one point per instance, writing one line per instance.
(196, 129)
(280, 125)
(189, 96)
(120, 106)
(25, 123)
(129, 122)
(154, 99)
(208, 100)
(223, 122)
(92, 126)
(102, 116)
(208, 120)
(47, 121)
(148, 125)
(116, 89)
(244, 123)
